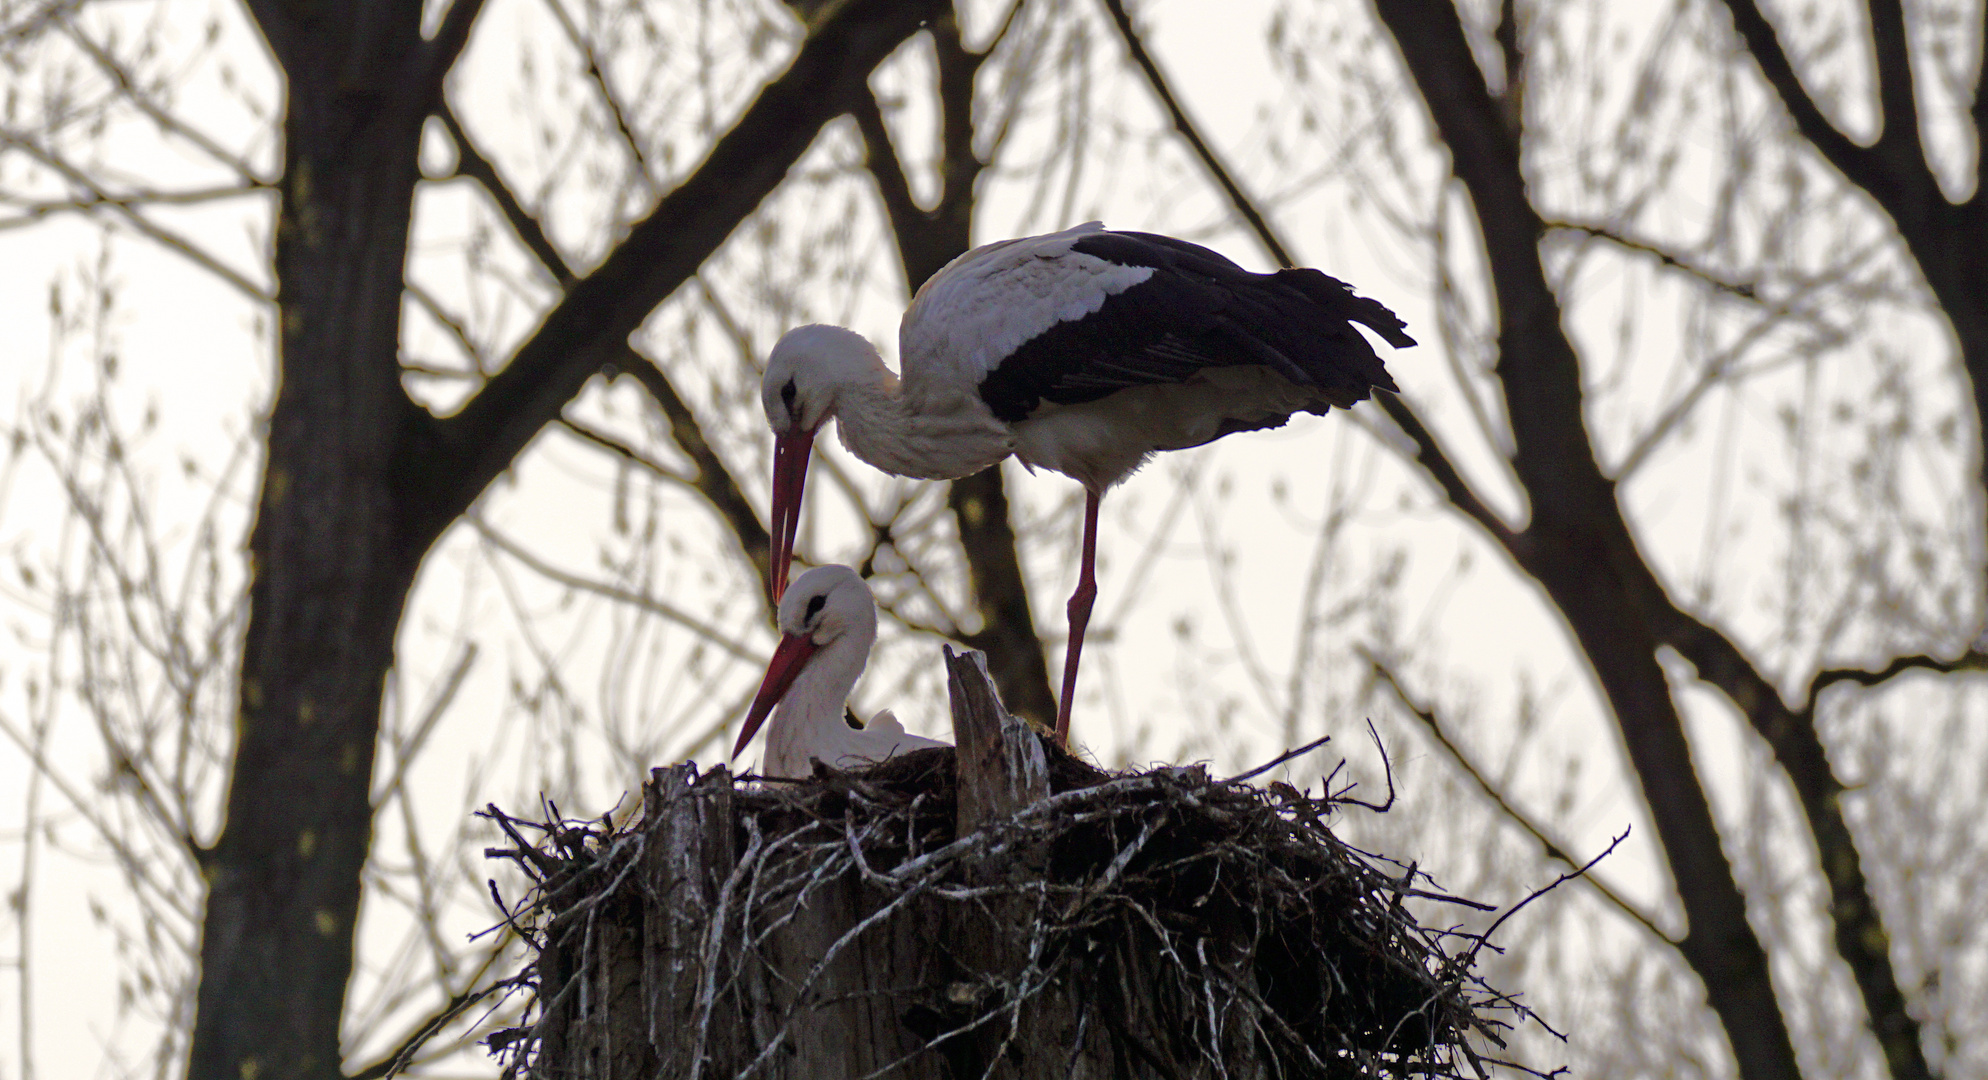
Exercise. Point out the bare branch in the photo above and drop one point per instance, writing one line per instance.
(1577, 544)
(1435, 461)
(1978, 112)
(880, 157)
(1244, 205)
(1724, 365)
(447, 44)
(725, 642)
(397, 1060)
(471, 162)
(1898, 144)
(926, 241)
(32, 213)
(1742, 289)
(1512, 96)
(128, 86)
(714, 479)
(1971, 660)
(1861, 165)
(1552, 848)
(609, 98)
(588, 330)
(164, 237)
(405, 750)
(621, 450)
(1861, 939)
(1582, 871)
(83, 802)
(449, 322)
(1008, 22)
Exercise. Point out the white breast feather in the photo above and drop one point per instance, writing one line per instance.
(1099, 443)
(985, 304)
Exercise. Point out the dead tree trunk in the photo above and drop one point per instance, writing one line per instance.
(1003, 911)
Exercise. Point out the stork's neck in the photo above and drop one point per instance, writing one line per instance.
(931, 436)
(808, 720)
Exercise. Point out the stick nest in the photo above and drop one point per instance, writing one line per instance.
(1191, 923)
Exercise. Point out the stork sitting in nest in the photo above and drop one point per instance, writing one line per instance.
(828, 622)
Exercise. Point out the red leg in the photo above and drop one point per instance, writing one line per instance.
(1080, 614)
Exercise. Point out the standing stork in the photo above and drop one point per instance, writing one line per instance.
(828, 622)
(1083, 352)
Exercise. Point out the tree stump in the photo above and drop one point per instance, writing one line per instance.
(1002, 911)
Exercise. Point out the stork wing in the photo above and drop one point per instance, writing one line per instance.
(1081, 314)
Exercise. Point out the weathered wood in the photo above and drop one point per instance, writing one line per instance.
(1001, 764)
(592, 968)
(842, 1016)
(1002, 770)
(687, 864)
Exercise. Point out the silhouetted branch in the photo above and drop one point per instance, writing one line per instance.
(159, 234)
(471, 162)
(1240, 200)
(442, 49)
(1861, 938)
(457, 330)
(1859, 164)
(1576, 542)
(598, 76)
(714, 479)
(886, 168)
(640, 601)
(1581, 871)
(396, 1061)
(1511, 97)
(1430, 454)
(1552, 848)
(927, 239)
(1428, 450)
(143, 102)
(24, 213)
(1898, 144)
(1742, 289)
(588, 329)
(1978, 112)
(621, 450)
(1971, 660)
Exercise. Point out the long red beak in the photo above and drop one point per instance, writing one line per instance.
(791, 450)
(788, 660)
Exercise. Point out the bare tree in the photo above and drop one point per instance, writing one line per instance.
(1628, 253)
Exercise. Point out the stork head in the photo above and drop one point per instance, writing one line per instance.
(804, 374)
(826, 603)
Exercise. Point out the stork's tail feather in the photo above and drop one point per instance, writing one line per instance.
(1339, 298)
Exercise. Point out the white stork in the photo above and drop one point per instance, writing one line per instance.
(828, 621)
(1083, 352)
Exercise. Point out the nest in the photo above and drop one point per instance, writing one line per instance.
(1160, 923)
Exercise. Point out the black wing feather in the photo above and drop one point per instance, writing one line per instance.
(1197, 311)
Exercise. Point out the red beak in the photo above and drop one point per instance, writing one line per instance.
(788, 660)
(791, 450)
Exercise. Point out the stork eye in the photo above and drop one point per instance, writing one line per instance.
(787, 394)
(814, 606)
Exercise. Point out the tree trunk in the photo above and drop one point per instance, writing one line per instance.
(360, 481)
(1577, 544)
(332, 562)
